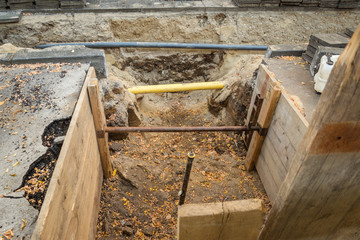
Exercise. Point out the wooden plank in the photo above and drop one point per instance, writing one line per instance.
(320, 196)
(261, 81)
(265, 117)
(100, 124)
(266, 178)
(270, 165)
(282, 145)
(276, 168)
(72, 201)
(291, 120)
(226, 220)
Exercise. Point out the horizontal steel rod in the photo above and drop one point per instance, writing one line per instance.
(115, 130)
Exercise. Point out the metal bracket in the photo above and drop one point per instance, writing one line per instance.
(100, 134)
(263, 131)
(254, 115)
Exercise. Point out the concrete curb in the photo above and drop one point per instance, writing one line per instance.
(95, 57)
(285, 50)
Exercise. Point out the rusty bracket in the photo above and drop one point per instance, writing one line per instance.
(254, 115)
(263, 131)
(100, 134)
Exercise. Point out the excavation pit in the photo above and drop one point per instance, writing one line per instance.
(141, 199)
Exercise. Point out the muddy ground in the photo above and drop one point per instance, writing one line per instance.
(140, 201)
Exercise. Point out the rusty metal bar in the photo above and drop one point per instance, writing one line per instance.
(114, 130)
(189, 163)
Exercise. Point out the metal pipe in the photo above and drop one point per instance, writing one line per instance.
(159, 45)
(114, 130)
(176, 87)
(189, 163)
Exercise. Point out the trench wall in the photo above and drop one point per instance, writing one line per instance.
(72, 201)
(284, 135)
(238, 27)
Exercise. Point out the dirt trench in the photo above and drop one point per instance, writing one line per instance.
(140, 200)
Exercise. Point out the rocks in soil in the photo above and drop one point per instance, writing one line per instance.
(59, 140)
(120, 105)
(235, 96)
(148, 231)
(116, 146)
(128, 231)
(129, 170)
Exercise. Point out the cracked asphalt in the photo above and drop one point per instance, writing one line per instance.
(32, 96)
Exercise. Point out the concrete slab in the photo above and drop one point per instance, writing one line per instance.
(59, 54)
(70, 54)
(294, 75)
(32, 97)
(226, 220)
(285, 50)
(10, 16)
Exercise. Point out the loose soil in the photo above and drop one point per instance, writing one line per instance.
(140, 201)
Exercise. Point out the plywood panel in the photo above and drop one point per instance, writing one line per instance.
(72, 201)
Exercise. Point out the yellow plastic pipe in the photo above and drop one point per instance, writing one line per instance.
(176, 87)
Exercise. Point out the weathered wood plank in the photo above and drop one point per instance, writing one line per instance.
(271, 166)
(291, 120)
(266, 178)
(100, 124)
(267, 111)
(72, 201)
(227, 220)
(282, 145)
(320, 196)
(277, 168)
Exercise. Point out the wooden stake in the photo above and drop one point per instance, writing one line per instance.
(264, 120)
(100, 123)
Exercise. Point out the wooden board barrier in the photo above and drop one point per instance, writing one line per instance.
(100, 124)
(320, 197)
(271, 93)
(228, 220)
(72, 200)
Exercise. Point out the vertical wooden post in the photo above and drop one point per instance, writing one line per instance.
(320, 196)
(264, 120)
(100, 123)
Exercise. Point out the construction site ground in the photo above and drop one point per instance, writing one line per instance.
(140, 201)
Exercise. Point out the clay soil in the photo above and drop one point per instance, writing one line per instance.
(140, 201)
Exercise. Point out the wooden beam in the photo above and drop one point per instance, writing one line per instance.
(72, 200)
(320, 197)
(264, 120)
(100, 124)
(227, 220)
